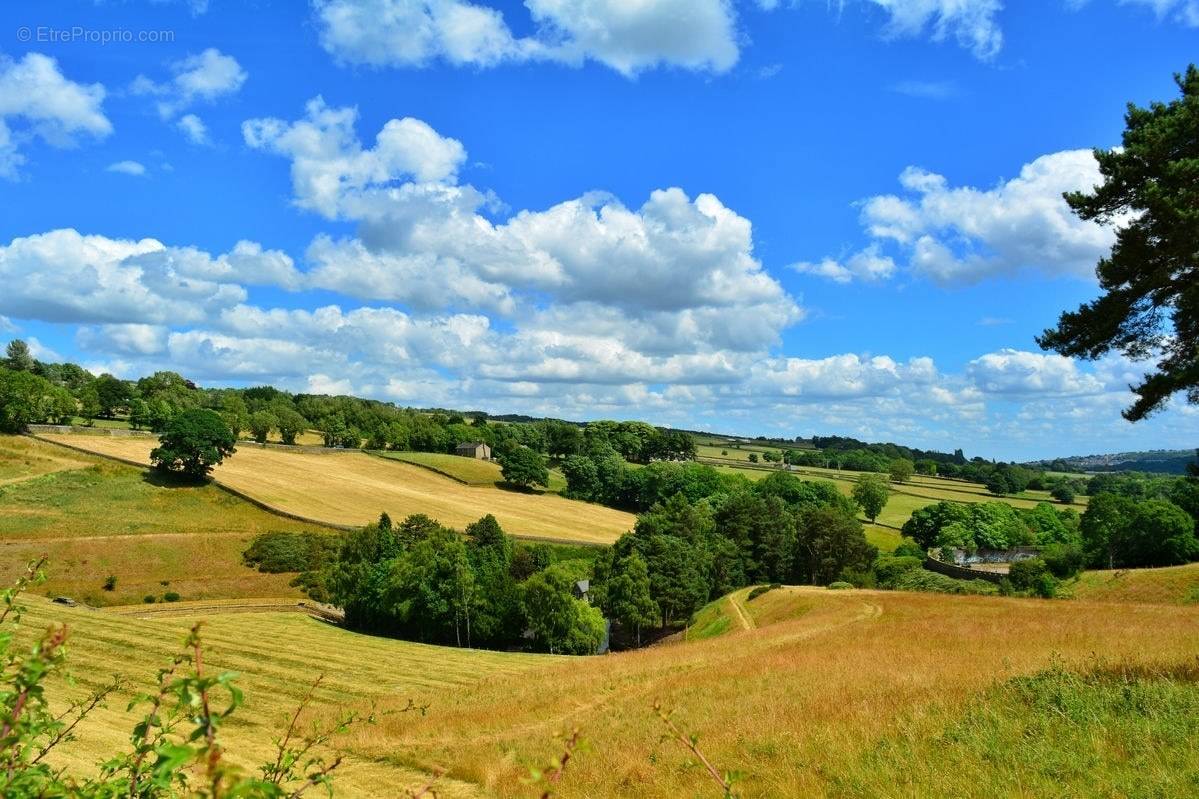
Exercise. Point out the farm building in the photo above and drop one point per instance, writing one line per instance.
(473, 449)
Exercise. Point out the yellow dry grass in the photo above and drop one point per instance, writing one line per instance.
(793, 703)
(278, 656)
(790, 704)
(352, 488)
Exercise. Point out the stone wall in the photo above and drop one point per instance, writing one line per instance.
(961, 572)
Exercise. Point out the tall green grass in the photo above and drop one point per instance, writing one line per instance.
(1123, 730)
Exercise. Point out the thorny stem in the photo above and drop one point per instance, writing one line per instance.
(277, 773)
(556, 773)
(214, 751)
(87, 708)
(689, 743)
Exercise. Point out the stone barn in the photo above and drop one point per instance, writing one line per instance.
(474, 449)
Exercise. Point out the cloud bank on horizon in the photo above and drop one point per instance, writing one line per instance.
(419, 285)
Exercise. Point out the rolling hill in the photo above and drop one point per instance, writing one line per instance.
(807, 702)
(341, 487)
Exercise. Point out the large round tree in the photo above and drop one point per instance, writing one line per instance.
(193, 443)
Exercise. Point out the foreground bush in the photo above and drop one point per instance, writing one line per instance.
(924, 580)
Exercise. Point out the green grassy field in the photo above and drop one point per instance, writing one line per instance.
(905, 498)
(1169, 585)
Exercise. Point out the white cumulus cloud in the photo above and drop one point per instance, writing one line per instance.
(43, 103)
(628, 37)
(203, 77)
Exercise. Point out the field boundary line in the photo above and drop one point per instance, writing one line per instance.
(295, 516)
(381, 456)
(201, 608)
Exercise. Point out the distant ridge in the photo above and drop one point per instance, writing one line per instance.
(1161, 461)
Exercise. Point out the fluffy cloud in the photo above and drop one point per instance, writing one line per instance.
(63, 276)
(47, 105)
(193, 128)
(1185, 12)
(1014, 372)
(200, 78)
(963, 234)
(328, 163)
(123, 339)
(144, 306)
(628, 37)
(868, 264)
(674, 273)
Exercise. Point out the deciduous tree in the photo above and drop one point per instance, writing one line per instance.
(871, 492)
(193, 443)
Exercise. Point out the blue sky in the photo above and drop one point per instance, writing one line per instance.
(759, 217)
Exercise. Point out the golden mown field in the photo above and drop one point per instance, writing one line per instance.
(352, 488)
(800, 704)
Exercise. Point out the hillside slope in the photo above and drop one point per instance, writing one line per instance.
(94, 518)
(352, 488)
(799, 703)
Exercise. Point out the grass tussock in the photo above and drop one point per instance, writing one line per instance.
(1175, 585)
(1125, 729)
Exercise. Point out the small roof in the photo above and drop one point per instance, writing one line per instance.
(472, 444)
(583, 586)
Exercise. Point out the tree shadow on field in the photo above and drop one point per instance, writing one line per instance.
(161, 479)
(519, 489)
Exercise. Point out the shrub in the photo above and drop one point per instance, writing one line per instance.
(278, 552)
(171, 596)
(859, 578)
(909, 549)
(888, 568)
(762, 589)
(1064, 561)
(924, 580)
(110, 582)
(1034, 577)
(1063, 492)
(840, 585)
(148, 599)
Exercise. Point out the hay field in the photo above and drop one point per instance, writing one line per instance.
(797, 703)
(278, 655)
(94, 518)
(352, 488)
